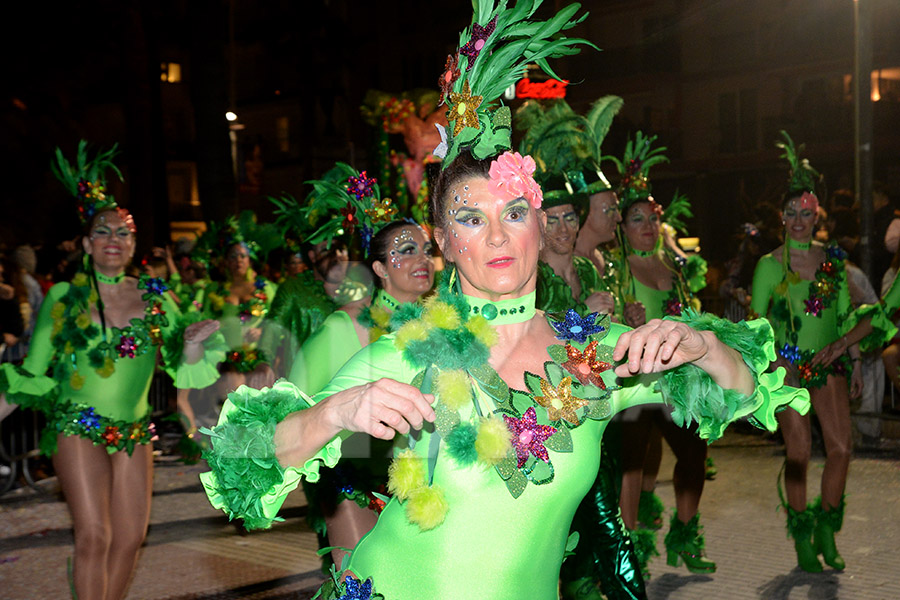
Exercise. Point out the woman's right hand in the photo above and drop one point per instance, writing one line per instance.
(381, 408)
(635, 314)
(602, 302)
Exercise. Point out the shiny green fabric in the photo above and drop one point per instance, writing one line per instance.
(891, 300)
(524, 539)
(325, 352)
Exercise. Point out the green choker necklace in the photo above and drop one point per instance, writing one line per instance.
(503, 312)
(107, 279)
(644, 253)
(792, 243)
(382, 298)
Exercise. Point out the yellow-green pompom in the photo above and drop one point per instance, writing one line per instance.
(441, 315)
(493, 441)
(427, 507)
(57, 327)
(58, 310)
(76, 381)
(68, 348)
(406, 474)
(92, 297)
(80, 280)
(453, 388)
(482, 330)
(410, 332)
(108, 368)
(83, 320)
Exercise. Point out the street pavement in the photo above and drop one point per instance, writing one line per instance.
(193, 553)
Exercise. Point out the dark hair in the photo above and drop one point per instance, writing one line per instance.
(380, 246)
(846, 222)
(464, 166)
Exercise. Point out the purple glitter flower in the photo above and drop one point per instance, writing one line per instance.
(673, 308)
(361, 186)
(814, 306)
(127, 346)
(472, 48)
(577, 328)
(528, 437)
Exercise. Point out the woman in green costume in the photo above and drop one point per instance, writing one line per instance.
(99, 336)
(663, 281)
(802, 288)
(486, 481)
(401, 258)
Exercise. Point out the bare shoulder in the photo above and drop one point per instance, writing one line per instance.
(353, 308)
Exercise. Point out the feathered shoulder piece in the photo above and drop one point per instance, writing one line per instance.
(802, 177)
(86, 179)
(634, 168)
(493, 53)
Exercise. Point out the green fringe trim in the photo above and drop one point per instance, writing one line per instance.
(650, 509)
(694, 395)
(242, 450)
(644, 545)
(800, 524)
(883, 330)
(834, 517)
(685, 537)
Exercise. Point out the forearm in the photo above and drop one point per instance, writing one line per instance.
(725, 366)
(301, 434)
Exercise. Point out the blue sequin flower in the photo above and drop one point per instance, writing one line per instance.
(576, 327)
(791, 353)
(156, 285)
(357, 590)
(833, 251)
(88, 419)
(366, 235)
(260, 283)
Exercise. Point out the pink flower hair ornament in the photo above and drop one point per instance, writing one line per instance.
(809, 200)
(512, 176)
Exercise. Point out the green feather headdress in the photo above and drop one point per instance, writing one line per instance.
(346, 199)
(634, 184)
(567, 146)
(259, 238)
(493, 54)
(802, 177)
(86, 179)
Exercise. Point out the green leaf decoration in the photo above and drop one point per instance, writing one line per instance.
(445, 419)
(561, 441)
(533, 383)
(558, 353)
(491, 383)
(599, 409)
(540, 472)
(418, 379)
(571, 543)
(555, 374)
(520, 401)
(506, 468)
(605, 353)
(516, 484)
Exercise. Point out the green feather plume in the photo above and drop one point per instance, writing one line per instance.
(802, 177)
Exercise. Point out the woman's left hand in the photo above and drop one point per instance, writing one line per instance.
(830, 353)
(856, 381)
(659, 346)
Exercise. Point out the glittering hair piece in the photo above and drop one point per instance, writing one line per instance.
(802, 177)
(86, 180)
(634, 184)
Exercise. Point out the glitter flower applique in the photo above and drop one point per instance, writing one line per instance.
(585, 366)
(463, 110)
(381, 210)
(350, 218)
(361, 186)
(512, 176)
(528, 437)
(577, 328)
(559, 401)
(449, 76)
(89, 419)
(472, 48)
(127, 346)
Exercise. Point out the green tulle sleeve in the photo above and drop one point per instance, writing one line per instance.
(883, 330)
(202, 373)
(246, 480)
(25, 389)
(695, 397)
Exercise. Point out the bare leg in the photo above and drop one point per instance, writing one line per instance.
(85, 475)
(635, 435)
(797, 447)
(832, 405)
(891, 359)
(346, 526)
(652, 460)
(689, 475)
(131, 491)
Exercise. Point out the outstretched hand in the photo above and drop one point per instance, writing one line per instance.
(199, 332)
(659, 346)
(831, 352)
(381, 408)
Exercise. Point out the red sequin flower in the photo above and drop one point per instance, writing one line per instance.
(350, 218)
(529, 437)
(585, 366)
(673, 308)
(449, 76)
(111, 436)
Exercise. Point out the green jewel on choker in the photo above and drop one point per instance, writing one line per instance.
(644, 253)
(792, 243)
(107, 279)
(382, 298)
(503, 312)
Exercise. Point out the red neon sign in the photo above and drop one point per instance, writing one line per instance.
(552, 88)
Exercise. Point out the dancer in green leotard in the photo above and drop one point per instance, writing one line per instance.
(99, 337)
(802, 288)
(401, 260)
(486, 481)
